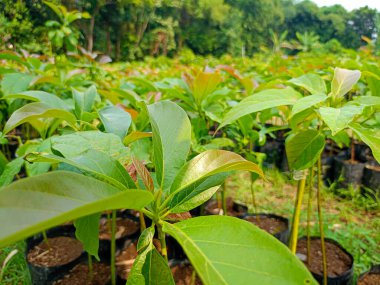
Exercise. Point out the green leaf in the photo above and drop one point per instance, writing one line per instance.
(34, 204)
(311, 82)
(115, 120)
(87, 231)
(209, 163)
(367, 100)
(41, 96)
(95, 163)
(33, 112)
(204, 84)
(343, 81)
(75, 144)
(338, 119)
(307, 102)
(150, 268)
(144, 174)
(11, 169)
(171, 140)
(145, 238)
(261, 101)
(227, 250)
(134, 136)
(15, 82)
(371, 137)
(84, 100)
(304, 148)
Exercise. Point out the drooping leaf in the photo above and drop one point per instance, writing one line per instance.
(231, 251)
(171, 140)
(34, 111)
(343, 81)
(150, 268)
(94, 163)
(261, 101)
(338, 119)
(304, 148)
(371, 137)
(145, 238)
(115, 120)
(37, 203)
(41, 96)
(87, 231)
(311, 82)
(307, 102)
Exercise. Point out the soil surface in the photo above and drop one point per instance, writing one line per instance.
(79, 275)
(268, 224)
(183, 274)
(124, 261)
(213, 209)
(124, 227)
(338, 261)
(370, 279)
(58, 251)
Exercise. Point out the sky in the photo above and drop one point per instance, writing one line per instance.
(350, 4)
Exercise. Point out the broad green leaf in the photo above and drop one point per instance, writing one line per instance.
(87, 231)
(115, 120)
(307, 102)
(84, 100)
(15, 82)
(231, 251)
(204, 84)
(41, 96)
(75, 144)
(372, 74)
(304, 148)
(338, 119)
(150, 268)
(95, 163)
(11, 169)
(3, 162)
(34, 204)
(343, 81)
(34, 111)
(134, 136)
(370, 137)
(367, 101)
(171, 140)
(261, 101)
(311, 82)
(209, 163)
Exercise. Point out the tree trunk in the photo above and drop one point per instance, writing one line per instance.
(90, 40)
(108, 43)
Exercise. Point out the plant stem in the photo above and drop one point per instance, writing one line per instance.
(113, 248)
(253, 198)
(90, 268)
(352, 150)
(224, 199)
(142, 222)
(320, 218)
(193, 277)
(46, 240)
(296, 215)
(161, 237)
(309, 211)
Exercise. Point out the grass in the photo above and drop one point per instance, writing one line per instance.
(354, 221)
(15, 270)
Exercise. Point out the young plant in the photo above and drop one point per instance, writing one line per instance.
(176, 187)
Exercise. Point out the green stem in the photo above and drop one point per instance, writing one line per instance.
(253, 198)
(296, 215)
(161, 237)
(90, 268)
(46, 240)
(224, 199)
(142, 222)
(193, 277)
(320, 218)
(310, 188)
(113, 248)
